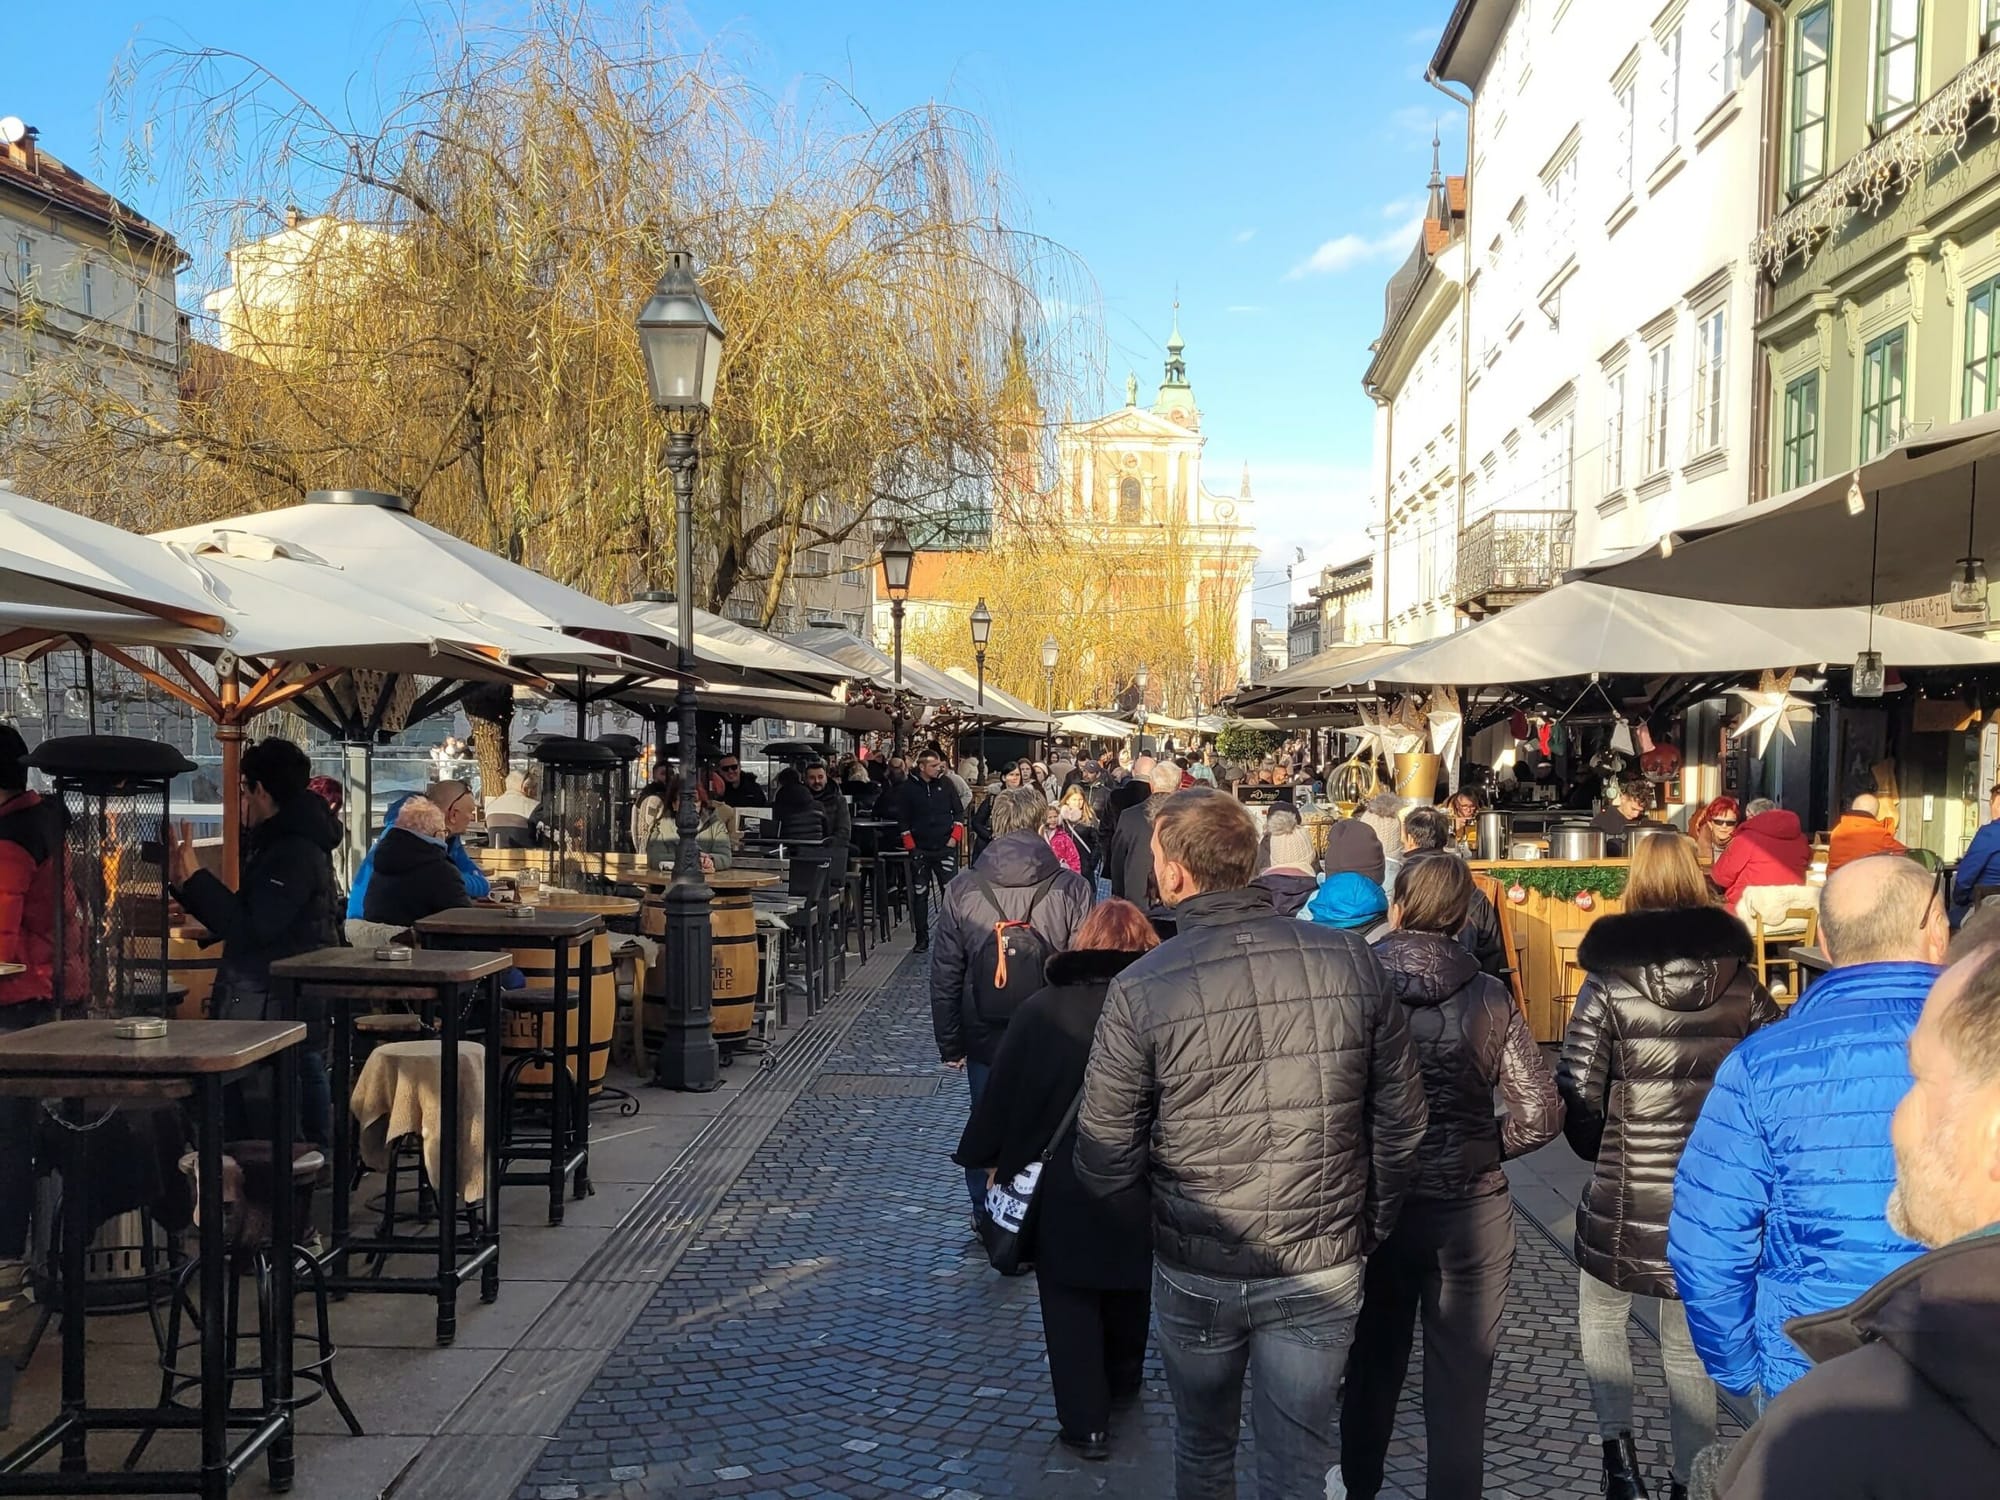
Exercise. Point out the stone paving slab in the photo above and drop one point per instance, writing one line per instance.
(833, 1331)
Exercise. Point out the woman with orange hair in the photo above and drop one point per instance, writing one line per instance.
(1093, 1256)
(1714, 826)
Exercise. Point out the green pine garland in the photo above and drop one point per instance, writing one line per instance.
(1606, 882)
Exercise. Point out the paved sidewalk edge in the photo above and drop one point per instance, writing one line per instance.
(491, 1440)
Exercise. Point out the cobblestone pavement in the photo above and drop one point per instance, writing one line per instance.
(834, 1331)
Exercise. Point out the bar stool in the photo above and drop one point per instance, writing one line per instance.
(248, 1254)
(1567, 942)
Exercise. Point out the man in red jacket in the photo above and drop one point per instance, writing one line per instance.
(1770, 848)
(31, 842)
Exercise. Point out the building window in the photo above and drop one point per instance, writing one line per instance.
(1614, 431)
(89, 290)
(1883, 366)
(1989, 25)
(24, 263)
(812, 563)
(1722, 35)
(1627, 106)
(141, 318)
(1670, 88)
(1131, 502)
(1982, 349)
(1711, 383)
(1659, 386)
(1559, 463)
(1801, 453)
(1898, 32)
(1812, 70)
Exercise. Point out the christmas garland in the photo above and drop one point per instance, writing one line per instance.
(1606, 883)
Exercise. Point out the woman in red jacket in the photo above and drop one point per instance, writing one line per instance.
(1769, 848)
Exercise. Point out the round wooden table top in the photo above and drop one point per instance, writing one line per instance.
(557, 899)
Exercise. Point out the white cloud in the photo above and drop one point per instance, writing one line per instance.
(1345, 252)
(1244, 236)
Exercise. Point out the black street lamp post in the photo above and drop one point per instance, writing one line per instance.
(982, 632)
(1050, 652)
(682, 342)
(897, 556)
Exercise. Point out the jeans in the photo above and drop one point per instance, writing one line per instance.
(923, 864)
(1451, 1258)
(1292, 1334)
(1097, 1350)
(1603, 1321)
(976, 1074)
(17, 1133)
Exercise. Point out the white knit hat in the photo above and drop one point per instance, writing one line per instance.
(1293, 850)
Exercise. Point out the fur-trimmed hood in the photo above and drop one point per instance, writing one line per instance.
(1680, 959)
(1089, 965)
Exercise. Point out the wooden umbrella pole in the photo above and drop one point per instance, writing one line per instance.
(229, 734)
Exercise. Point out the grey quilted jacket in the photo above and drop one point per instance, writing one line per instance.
(1258, 1074)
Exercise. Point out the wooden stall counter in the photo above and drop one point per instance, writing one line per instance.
(1544, 927)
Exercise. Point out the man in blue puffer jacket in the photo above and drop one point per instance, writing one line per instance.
(1780, 1197)
(456, 802)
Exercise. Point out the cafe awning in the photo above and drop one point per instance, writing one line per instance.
(865, 662)
(1013, 713)
(1815, 548)
(727, 652)
(56, 559)
(1095, 726)
(1588, 627)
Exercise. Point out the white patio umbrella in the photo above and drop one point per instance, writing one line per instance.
(55, 558)
(1587, 627)
(864, 661)
(1815, 547)
(1319, 677)
(1095, 726)
(1000, 703)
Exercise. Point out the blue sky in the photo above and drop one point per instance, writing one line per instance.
(1267, 159)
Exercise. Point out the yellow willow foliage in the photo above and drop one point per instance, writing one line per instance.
(448, 312)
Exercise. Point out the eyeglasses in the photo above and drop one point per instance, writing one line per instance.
(727, 769)
(1722, 822)
(1940, 899)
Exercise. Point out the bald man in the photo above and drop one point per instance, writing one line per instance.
(1859, 834)
(1779, 1204)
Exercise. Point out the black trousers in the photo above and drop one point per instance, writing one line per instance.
(1449, 1258)
(1097, 1349)
(924, 863)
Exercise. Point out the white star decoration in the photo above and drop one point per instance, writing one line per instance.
(1772, 710)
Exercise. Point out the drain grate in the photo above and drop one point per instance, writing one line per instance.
(875, 1086)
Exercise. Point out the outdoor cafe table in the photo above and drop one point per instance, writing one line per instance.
(608, 907)
(732, 928)
(563, 934)
(85, 1065)
(463, 987)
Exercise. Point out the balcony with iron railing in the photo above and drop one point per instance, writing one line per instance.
(1508, 556)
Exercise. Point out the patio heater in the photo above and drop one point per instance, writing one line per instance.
(982, 632)
(681, 339)
(626, 747)
(579, 802)
(111, 952)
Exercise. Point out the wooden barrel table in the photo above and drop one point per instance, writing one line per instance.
(523, 1032)
(732, 932)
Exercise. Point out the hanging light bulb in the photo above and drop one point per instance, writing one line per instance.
(1869, 678)
(75, 705)
(31, 705)
(1666, 544)
(1968, 585)
(1856, 501)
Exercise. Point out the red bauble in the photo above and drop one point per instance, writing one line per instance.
(1585, 901)
(1517, 894)
(1661, 763)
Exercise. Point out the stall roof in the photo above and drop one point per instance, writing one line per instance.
(1096, 726)
(1017, 711)
(1307, 686)
(1586, 627)
(1808, 549)
(863, 660)
(727, 651)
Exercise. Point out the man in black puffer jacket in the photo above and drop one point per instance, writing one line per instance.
(1259, 1074)
(930, 819)
(414, 877)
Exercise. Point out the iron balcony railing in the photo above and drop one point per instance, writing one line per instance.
(1514, 552)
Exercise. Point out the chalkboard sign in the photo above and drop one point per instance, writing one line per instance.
(1263, 796)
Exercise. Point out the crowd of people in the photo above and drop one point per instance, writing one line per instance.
(1260, 1095)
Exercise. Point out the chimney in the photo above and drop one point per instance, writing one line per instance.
(292, 216)
(23, 153)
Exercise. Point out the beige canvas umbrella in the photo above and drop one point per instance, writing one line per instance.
(53, 558)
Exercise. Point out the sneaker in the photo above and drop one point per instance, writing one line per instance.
(15, 1288)
(923, 947)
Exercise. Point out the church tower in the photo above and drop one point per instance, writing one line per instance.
(1175, 401)
(1020, 419)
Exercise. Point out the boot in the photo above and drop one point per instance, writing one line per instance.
(1621, 1469)
(1676, 1490)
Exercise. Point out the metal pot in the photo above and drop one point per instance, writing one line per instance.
(1524, 849)
(1575, 841)
(1493, 831)
(1647, 830)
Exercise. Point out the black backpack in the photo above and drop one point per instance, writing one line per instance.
(1010, 963)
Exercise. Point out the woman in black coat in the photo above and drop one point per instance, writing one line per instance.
(1452, 1249)
(1093, 1256)
(1669, 995)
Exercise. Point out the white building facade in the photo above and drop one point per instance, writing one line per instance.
(1609, 365)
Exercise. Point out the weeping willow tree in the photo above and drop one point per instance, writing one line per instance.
(439, 302)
